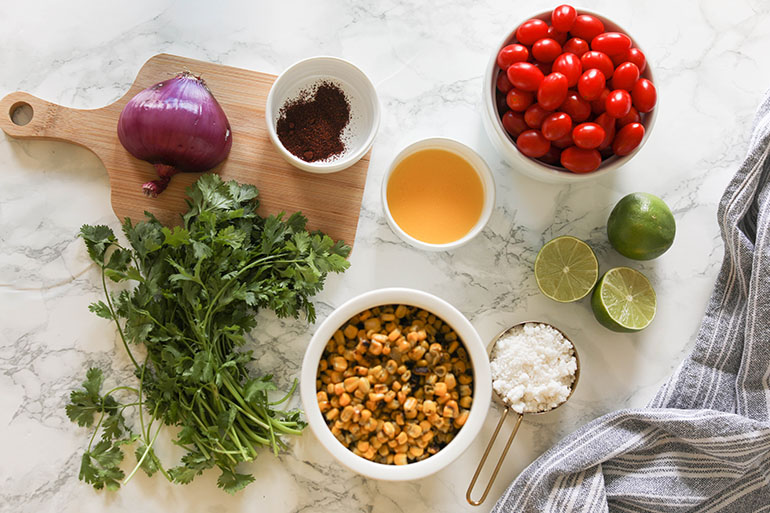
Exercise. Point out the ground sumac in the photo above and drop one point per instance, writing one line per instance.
(311, 126)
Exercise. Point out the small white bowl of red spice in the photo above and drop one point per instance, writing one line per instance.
(568, 96)
(322, 114)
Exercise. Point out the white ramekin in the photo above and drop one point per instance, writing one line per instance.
(482, 383)
(478, 164)
(534, 168)
(364, 108)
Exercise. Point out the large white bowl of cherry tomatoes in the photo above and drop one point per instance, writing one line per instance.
(568, 96)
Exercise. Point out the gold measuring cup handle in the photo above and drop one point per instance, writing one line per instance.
(499, 462)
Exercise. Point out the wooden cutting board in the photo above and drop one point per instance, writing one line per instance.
(331, 202)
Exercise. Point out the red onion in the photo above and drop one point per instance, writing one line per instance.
(177, 126)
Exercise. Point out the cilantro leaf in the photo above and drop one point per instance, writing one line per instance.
(100, 308)
(98, 239)
(232, 482)
(100, 467)
(258, 388)
(178, 237)
(86, 402)
(193, 464)
(113, 426)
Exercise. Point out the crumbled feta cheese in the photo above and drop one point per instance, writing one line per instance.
(533, 368)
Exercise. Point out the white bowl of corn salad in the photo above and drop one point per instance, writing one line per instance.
(396, 384)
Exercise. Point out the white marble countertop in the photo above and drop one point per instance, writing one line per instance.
(712, 66)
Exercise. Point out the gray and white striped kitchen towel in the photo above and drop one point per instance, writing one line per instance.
(703, 443)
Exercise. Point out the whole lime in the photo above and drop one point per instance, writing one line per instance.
(641, 226)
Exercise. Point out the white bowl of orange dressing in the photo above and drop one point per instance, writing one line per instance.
(438, 194)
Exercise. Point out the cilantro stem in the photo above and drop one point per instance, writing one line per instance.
(145, 434)
(248, 414)
(117, 323)
(98, 425)
(147, 449)
(237, 441)
(164, 328)
(251, 434)
(130, 389)
(288, 394)
(204, 428)
(251, 265)
(200, 444)
(277, 424)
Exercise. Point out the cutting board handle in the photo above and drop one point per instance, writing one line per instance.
(51, 121)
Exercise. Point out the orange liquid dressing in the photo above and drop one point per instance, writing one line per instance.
(435, 196)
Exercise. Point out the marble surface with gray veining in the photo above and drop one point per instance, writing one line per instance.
(426, 59)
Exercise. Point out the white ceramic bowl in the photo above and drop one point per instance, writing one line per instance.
(482, 383)
(475, 160)
(530, 167)
(364, 108)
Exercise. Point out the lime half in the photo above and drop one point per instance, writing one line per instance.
(566, 269)
(624, 300)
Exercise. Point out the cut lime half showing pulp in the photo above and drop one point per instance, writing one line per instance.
(566, 269)
(624, 300)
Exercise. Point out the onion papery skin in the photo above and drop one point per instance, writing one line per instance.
(178, 126)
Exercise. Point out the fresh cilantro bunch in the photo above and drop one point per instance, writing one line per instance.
(197, 290)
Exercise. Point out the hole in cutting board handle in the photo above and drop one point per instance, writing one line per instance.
(21, 113)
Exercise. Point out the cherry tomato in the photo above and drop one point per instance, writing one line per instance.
(597, 106)
(519, 100)
(556, 126)
(611, 43)
(587, 27)
(607, 122)
(577, 108)
(552, 91)
(510, 54)
(568, 64)
(535, 114)
(531, 30)
(546, 49)
(618, 103)
(564, 142)
(644, 95)
(591, 84)
(545, 67)
(632, 55)
(588, 135)
(576, 45)
(628, 139)
(597, 60)
(552, 156)
(559, 37)
(632, 117)
(563, 17)
(514, 123)
(503, 84)
(525, 76)
(580, 160)
(532, 143)
(625, 76)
